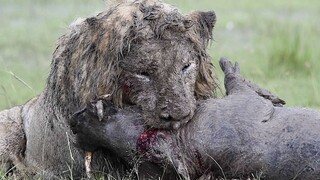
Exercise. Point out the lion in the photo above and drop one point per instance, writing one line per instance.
(142, 52)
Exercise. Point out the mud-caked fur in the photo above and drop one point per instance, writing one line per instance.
(12, 140)
(142, 52)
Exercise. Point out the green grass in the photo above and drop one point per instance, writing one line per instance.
(275, 42)
(295, 57)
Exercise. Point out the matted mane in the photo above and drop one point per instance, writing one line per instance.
(86, 61)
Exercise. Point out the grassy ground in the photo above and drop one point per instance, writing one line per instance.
(276, 43)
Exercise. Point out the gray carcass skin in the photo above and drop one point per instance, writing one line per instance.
(240, 134)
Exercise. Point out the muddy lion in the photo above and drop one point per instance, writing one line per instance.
(143, 53)
(243, 135)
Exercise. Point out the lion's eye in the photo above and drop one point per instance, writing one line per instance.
(145, 76)
(186, 67)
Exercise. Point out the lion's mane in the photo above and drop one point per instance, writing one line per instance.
(86, 61)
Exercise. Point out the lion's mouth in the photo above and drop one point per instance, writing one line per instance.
(173, 123)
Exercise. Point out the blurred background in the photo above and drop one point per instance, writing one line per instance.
(277, 43)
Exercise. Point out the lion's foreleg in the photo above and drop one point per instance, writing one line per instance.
(12, 139)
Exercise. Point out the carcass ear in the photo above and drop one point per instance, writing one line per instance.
(205, 22)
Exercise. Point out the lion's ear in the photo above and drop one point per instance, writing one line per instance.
(205, 22)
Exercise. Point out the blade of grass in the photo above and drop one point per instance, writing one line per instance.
(20, 80)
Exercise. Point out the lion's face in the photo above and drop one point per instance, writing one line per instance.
(160, 77)
(144, 53)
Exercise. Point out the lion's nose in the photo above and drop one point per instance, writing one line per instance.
(165, 115)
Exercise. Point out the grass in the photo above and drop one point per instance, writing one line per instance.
(275, 42)
(295, 56)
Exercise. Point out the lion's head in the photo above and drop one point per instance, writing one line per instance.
(143, 52)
